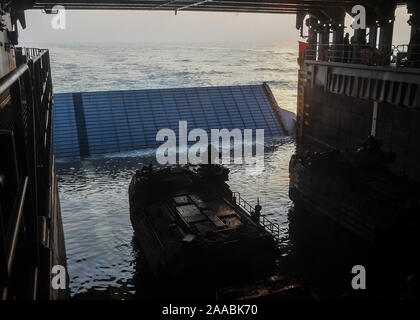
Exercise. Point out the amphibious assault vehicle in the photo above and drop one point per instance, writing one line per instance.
(189, 224)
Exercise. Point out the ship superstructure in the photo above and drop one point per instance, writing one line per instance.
(31, 233)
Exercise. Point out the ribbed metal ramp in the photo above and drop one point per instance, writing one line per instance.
(93, 123)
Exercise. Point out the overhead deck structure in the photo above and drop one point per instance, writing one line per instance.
(320, 7)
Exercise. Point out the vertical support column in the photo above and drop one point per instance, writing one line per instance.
(414, 19)
(324, 38)
(358, 42)
(414, 46)
(338, 38)
(302, 109)
(373, 35)
(312, 25)
(4, 274)
(385, 40)
(374, 118)
(338, 33)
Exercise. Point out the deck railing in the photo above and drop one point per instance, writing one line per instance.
(271, 227)
(396, 55)
(237, 199)
(26, 178)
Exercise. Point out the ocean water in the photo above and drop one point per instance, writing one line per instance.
(102, 257)
(93, 67)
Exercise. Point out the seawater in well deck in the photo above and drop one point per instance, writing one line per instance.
(93, 123)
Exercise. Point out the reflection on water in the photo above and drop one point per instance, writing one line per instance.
(102, 261)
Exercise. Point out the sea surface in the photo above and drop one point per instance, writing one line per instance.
(102, 258)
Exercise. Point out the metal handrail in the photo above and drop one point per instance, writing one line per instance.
(271, 227)
(347, 54)
(242, 203)
(31, 53)
(16, 227)
(7, 81)
(29, 87)
(362, 54)
(405, 58)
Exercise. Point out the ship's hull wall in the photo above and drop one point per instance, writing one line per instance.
(340, 120)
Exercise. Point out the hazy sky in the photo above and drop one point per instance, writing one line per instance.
(136, 26)
(156, 26)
